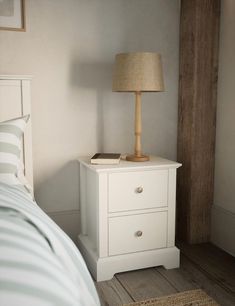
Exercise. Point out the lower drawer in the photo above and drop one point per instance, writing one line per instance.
(135, 233)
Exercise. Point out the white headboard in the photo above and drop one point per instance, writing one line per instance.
(15, 102)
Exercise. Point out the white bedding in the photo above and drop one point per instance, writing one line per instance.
(39, 264)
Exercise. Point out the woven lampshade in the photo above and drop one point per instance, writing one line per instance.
(136, 72)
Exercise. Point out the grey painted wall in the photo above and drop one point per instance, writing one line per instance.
(225, 131)
(223, 212)
(69, 48)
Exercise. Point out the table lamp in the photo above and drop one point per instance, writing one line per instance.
(138, 72)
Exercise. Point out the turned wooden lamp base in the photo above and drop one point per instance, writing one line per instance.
(135, 158)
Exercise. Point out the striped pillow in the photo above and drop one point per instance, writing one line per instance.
(11, 132)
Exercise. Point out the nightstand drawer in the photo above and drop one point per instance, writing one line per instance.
(137, 190)
(137, 233)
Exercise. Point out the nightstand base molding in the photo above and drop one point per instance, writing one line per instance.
(104, 268)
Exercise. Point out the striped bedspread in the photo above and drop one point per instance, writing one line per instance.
(39, 264)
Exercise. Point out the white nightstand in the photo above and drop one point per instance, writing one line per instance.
(127, 216)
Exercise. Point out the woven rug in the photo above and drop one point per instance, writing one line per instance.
(196, 297)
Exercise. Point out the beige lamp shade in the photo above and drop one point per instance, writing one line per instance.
(138, 72)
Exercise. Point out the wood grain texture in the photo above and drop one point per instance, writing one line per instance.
(144, 284)
(190, 276)
(112, 293)
(219, 265)
(202, 266)
(138, 156)
(199, 32)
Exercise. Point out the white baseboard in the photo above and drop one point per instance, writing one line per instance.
(223, 229)
(69, 221)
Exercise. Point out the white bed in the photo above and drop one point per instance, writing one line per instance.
(39, 264)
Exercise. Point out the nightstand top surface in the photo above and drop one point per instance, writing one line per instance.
(155, 162)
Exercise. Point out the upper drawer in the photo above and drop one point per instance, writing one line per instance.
(137, 190)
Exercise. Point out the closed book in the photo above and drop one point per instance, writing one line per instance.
(106, 158)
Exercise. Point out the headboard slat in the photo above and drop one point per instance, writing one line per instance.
(15, 101)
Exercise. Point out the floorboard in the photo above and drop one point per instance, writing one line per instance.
(188, 277)
(181, 280)
(217, 264)
(112, 293)
(202, 266)
(144, 284)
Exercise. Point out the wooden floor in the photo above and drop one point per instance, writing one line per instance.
(202, 266)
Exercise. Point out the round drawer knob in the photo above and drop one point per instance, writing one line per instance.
(139, 233)
(139, 189)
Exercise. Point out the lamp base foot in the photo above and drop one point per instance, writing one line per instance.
(135, 158)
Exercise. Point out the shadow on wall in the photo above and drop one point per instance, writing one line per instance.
(61, 189)
(96, 77)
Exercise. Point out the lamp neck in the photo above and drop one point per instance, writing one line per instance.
(138, 156)
(138, 123)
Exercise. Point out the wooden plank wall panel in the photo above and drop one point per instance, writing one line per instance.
(199, 32)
